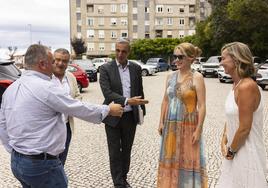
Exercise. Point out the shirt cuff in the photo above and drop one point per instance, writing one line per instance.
(105, 111)
(126, 102)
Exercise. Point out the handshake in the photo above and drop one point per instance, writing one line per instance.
(117, 109)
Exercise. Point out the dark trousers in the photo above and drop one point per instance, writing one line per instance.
(63, 155)
(120, 140)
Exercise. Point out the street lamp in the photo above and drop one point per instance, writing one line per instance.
(30, 30)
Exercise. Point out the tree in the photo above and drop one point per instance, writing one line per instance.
(79, 47)
(12, 50)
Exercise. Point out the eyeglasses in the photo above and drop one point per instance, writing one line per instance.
(179, 57)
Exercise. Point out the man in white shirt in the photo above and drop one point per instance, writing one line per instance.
(68, 83)
(31, 125)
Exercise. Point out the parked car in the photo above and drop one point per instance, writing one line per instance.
(262, 75)
(223, 77)
(8, 74)
(97, 62)
(145, 69)
(80, 75)
(210, 67)
(88, 66)
(196, 65)
(160, 63)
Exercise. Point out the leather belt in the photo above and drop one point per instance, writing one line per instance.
(41, 156)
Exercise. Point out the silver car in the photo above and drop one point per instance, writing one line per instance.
(145, 69)
(262, 75)
(211, 66)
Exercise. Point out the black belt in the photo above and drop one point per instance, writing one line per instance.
(41, 156)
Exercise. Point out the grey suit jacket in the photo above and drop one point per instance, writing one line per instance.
(112, 90)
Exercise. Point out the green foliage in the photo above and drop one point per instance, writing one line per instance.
(235, 20)
(144, 49)
(79, 47)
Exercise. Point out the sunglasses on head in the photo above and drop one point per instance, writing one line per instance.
(179, 57)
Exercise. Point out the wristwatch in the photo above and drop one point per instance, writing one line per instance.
(230, 152)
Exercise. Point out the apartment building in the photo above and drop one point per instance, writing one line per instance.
(101, 22)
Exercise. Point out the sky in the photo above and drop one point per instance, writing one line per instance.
(23, 22)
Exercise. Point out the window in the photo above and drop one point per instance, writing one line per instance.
(147, 35)
(78, 16)
(113, 34)
(147, 9)
(90, 8)
(124, 21)
(101, 34)
(169, 21)
(135, 28)
(78, 3)
(169, 10)
(90, 21)
(181, 10)
(113, 47)
(113, 8)
(192, 21)
(123, 8)
(159, 21)
(100, 10)
(113, 21)
(101, 21)
(181, 21)
(192, 8)
(124, 34)
(169, 34)
(78, 28)
(101, 46)
(159, 8)
(181, 34)
(90, 46)
(90, 33)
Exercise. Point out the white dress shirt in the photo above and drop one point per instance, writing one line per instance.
(126, 85)
(31, 115)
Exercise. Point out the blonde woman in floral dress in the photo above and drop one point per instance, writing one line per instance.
(182, 163)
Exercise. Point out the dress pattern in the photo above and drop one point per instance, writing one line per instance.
(248, 168)
(181, 164)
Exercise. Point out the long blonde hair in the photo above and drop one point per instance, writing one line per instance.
(242, 57)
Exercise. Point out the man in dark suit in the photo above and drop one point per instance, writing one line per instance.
(121, 83)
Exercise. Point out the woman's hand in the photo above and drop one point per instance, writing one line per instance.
(160, 128)
(196, 135)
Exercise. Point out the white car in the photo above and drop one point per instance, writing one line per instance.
(97, 62)
(223, 77)
(262, 75)
(145, 69)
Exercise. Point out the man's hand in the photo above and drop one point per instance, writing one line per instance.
(115, 110)
(137, 101)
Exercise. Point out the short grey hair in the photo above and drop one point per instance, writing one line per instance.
(62, 51)
(123, 41)
(35, 53)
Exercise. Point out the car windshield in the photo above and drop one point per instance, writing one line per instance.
(9, 70)
(213, 60)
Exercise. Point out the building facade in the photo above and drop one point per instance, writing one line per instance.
(101, 22)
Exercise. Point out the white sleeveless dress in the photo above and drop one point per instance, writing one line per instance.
(248, 168)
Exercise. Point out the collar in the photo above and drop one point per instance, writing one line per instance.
(119, 65)
(36, 73)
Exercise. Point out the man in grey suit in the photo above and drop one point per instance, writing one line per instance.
(121, 83)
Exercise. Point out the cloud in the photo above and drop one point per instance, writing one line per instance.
(45, 21)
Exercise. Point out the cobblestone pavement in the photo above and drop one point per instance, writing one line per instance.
(87, 164)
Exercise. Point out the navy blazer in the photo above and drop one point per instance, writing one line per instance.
(112, 90)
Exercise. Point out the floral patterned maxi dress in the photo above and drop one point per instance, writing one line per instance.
(181, 163)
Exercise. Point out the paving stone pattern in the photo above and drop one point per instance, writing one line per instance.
(88, 165)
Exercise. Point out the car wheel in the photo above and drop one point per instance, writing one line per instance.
(79, 87)
(144, 72)
(221, 81)
(262, 86)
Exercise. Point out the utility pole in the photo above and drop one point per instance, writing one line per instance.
(30, 31)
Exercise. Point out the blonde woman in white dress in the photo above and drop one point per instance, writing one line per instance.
(242, 146)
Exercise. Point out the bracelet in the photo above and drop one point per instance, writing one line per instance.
(230, 152)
